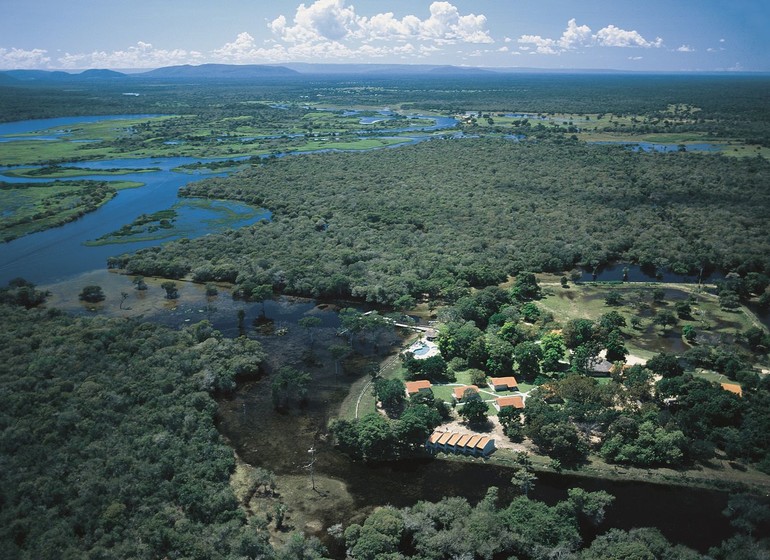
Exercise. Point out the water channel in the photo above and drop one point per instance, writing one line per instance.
(57, 254)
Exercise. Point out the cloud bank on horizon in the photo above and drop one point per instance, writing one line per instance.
(335, 31)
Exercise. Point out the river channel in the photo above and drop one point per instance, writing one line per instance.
(57, 254)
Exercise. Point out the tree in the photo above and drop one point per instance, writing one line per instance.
(528, 356)
(613, 298)
(526, 287)
(560, 440)
(611, 321)
(477, 377)
(553, 349)
(530, 312)
(577, 332)
(415, 425)
(590, 505)
(309, 323)
(616, 349)
(139, 283)
(171, 289)
(211, 290)
(261, 293)
(764, 302)
(664, 364)
(689, 333)
(288, 385)
(91, 294)
(474, 411)
(338, 351)
(379, 537)
(524, 476)
(392, 394)
(729, 300)
(747, 513)
(510, 419)
(23, 293)
(683, 309)
(375, 438)
(500, 356)
(665, 319)
(583, 357)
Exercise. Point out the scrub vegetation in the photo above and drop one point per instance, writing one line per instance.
(31, 207)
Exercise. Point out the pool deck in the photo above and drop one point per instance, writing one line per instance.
(432, 349)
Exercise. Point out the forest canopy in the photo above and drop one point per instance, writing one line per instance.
(108, 442)
(444, 215)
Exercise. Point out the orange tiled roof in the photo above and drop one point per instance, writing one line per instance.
(444, 438)
(482, 443)
(508, 381)
(463, 440)
(516, 401)
(473, 441)
(454, 439)
(460, 391)
(415, 386)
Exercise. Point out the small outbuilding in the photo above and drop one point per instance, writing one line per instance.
(503, 383)
(600, 366)
(461, 444)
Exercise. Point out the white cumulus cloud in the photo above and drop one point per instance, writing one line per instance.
(13, 58)
(141, 55)
(612, 36)
(579, 36)
(685, 48)
(335, 20)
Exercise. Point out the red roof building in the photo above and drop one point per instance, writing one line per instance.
(414, 387)
(503, 383)
(516, 401)
(459, 392)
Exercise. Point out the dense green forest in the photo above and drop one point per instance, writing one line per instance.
(440, 216)
(529, 530)
(109, 450)
(108, 446)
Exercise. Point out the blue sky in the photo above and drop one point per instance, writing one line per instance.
(643, 35)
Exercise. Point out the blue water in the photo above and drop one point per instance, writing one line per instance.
(23, 127)
(57, 254)
(614, 273)
(660, 147)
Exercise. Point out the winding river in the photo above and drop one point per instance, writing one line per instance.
(60, 253)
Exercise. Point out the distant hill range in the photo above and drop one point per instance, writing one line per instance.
(219, 71)
(265, 71)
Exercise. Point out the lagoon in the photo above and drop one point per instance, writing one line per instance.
(59, 253)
